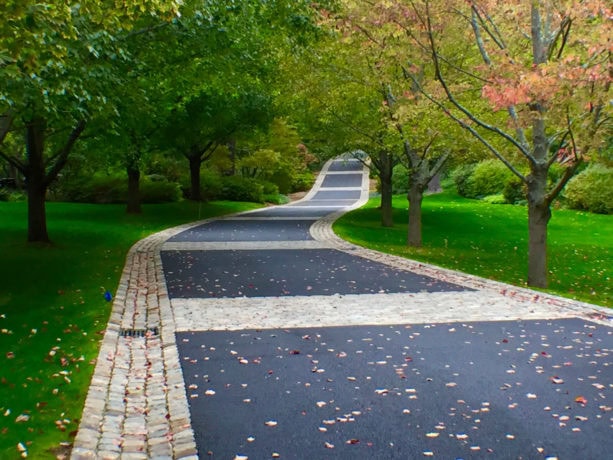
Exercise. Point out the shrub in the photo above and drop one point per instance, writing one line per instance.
(302, 181)
(104, 188)
(460, 177)
(591, 190)
(488, 178)
(514, 190)
(159, 191)
(495, 199)
(400, 179)
(237, 188)
(211, 185)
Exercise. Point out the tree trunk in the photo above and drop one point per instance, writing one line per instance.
(539, 214)
(233, 158)
(415, 196)
(194, 175)
(133, 205)
(385, 176)
(36, 185)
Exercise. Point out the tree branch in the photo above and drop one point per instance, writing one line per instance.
(61, 157)
(464, 110)
(6, 121)
(13, 161)
(479, 38)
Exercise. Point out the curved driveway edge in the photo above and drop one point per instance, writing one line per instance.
(136, 407)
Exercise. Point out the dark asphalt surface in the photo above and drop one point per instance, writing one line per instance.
(286, 272)
(500, 390)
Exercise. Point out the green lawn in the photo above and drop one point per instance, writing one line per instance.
(53, 312)
(492, 240)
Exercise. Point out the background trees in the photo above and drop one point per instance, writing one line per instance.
(149, 84)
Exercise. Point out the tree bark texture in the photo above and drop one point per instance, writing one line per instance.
(35, 175)
(194, 176)
(415, 196)
(386, 169)
(134, 201)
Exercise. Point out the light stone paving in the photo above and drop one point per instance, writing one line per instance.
(136, 406)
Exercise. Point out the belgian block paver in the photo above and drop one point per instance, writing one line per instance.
(137, 408)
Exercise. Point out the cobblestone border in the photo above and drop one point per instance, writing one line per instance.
(136, 406)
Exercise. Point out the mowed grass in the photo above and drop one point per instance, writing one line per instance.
(492, 241)
(53, 312)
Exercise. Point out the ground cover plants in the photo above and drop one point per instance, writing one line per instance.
(491, 241)
(53, 311)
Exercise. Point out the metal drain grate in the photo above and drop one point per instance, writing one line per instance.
(139, 332)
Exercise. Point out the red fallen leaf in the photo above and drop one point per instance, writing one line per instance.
(505, 340)
(581, 400)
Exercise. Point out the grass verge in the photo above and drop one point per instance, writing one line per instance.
(53, 313)
(492, 241)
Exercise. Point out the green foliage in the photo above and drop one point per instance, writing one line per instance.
(400, 179)
(159, 191)
(211, 185)
(302, 181)
(487, 177)
(495, 199)
(514, 190)
(236, 188)
(460, 177)
(592, 190)
(113, 188)
(491, 241)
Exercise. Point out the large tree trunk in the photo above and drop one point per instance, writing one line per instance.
(36, 182)
(133, 204)
(415, 196)
(194, 176)
(386, 169)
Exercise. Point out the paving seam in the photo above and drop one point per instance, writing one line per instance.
(136, 406)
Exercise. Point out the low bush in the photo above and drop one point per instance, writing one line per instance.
(302, 181)
(488, 178)
(159, 191)
(106, 189)
(514, 191)
(495, 199)
(237, 188)
(591, 190)
(461, 176)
